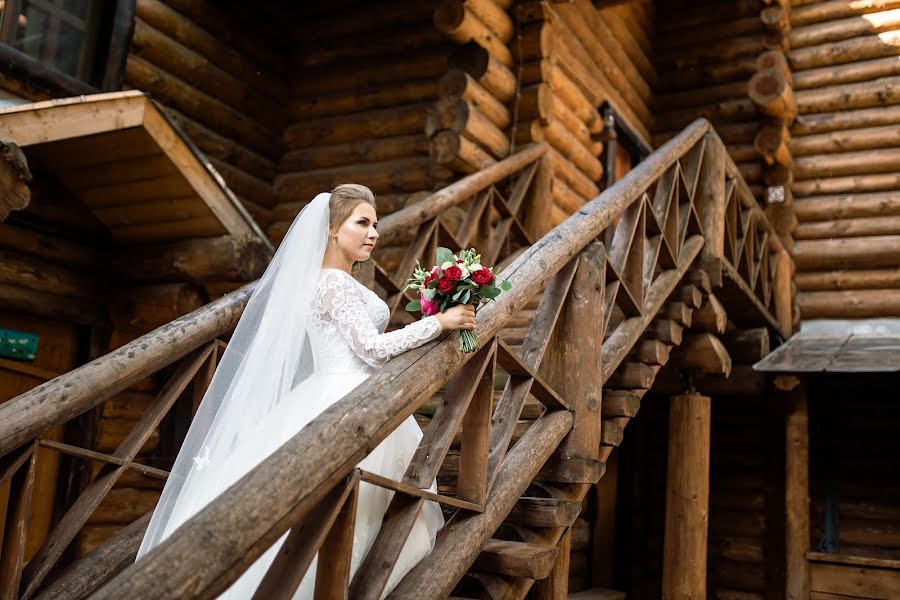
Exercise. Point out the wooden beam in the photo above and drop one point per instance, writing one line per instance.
(796, 482)
(704, 352)
(687, 498)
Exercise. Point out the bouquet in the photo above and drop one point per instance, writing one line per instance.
(455, 280)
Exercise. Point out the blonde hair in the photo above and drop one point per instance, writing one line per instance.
(344, 199)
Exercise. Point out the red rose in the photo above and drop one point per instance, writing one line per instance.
(453, 273)
(445, 285)
(482, 277)
(431, 277)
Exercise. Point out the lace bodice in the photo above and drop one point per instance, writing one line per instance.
(347, 323)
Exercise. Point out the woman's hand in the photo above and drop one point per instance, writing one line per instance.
(457, 317)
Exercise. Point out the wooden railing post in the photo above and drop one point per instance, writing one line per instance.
(687, 498)
(573, 365)
(540, 200)
(796, 485)
(710, 202)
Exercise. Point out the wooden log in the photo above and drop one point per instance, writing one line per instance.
(703, 33)
(577, 21)
(397, 93)
(796, 482)
(847, 185)
(462, 117)
(842, 141)
(359, 151)
(536, 102)
(403, 175)
(566, 144)
(773, 94)
(391, 122)
(699, 96)
(725, 51)
(363, 45)
(710, 317)
(775, 59)
(159, 49)
(855, 304)
(875, 251)
(687, 498)
(245, 186)
(14, 179)
(563, 196)
(50, 248)
(220, 258)
(849, 73)
(210, 111)
(772, 143)
(449, 146)
(880, 92)
(848, 51)
(564, 89)
(456, 20)
(366, 18)
(637, 56)
(884, 160)
(564, 169)
(726, 111)
(842, 29)
(148, 307)
(223, 148)
(852, 119)
(844, 228)
(848, 280)
(748, 346)
(458, 84)
(187, 32)
(61, 308)
(837, 9)
(35, 274)
(775, 20)
(487, 70)
(674, 16)
(377, 73)
(704, 352)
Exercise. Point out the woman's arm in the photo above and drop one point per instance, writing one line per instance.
(344, 304)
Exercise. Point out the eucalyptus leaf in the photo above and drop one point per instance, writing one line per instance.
(506, 285)
(457, 294)
(444, 255)
(429, 294)
(414, 306)
(467, 296)
(489, 291)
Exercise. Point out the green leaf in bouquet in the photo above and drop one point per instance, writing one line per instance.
(429, 293)
(489, 291)
(444, 255)
(414, 306)
(506, 285)
(467, 296)
(457, 295)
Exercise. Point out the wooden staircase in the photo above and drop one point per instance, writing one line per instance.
(516, 434)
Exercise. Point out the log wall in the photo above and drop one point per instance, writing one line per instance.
(846, 148)
(573, 58)
(741, 468)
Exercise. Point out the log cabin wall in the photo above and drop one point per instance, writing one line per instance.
(220, 70)
(573, 58)
(844, 58)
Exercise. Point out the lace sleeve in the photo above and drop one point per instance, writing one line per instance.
(342, 301)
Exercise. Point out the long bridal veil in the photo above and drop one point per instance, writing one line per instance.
(267, 356)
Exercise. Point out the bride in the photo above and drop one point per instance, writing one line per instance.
(310, 333)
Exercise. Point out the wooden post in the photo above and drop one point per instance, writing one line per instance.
(710, 200)
(687, 498)
(556, 586)
(796, 490)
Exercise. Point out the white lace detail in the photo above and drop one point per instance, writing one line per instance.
(346, 326)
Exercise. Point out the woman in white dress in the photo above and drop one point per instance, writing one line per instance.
(309, 334)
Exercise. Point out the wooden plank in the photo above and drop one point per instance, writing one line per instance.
(53, 120)
(471, 484)
(544, 512)
(849, 559)
(105, 458)
(540, 389)
(12, 546)
(333, 575)
(854, 580)
(516, 559)
(414, 492)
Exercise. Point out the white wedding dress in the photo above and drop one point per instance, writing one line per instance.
(345, 331)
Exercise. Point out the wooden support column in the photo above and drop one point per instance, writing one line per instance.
(710, 202)
(796, 490)
(687, 498)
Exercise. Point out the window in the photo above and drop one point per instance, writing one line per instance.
(69, 41)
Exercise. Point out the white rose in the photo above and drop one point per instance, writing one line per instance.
(475, 267)
(465, 271)
(446, 265)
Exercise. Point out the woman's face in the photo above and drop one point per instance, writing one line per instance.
(356, 236)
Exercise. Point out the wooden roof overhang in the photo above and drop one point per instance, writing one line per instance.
(835, 353)
(136, 171)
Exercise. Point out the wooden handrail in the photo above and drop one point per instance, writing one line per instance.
(254, 512)
(71, 394)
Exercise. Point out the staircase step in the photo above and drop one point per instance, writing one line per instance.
(516, 559)
(544, 512)
(598, 594)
